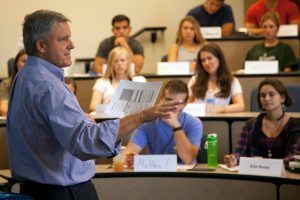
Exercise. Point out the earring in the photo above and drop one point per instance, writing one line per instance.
(283, 107)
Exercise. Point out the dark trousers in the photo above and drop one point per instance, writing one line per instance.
(79, 191)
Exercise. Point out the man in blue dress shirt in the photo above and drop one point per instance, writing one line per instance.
(52, 143)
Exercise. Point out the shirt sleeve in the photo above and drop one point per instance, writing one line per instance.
(250, 15)
(244, 140)
(139, 137)
(289, 56)
(249, 55)
(190, 84)
(73, 129)
(136, 47)
(228, 15)
(194, 131)
(100, 85)
(294, 142)
(292, 12)
(293, 149)
(103, 49)
(236, 87)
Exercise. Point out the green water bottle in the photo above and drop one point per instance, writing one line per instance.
(212, 150)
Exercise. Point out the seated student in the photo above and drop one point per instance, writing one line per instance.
(121, 29)
(214, 13)
(213, 79)
(5, 85)
(179, 134)
(287, 11)
(274, 133)
(272, 48)
(118, 68)
(188, 42)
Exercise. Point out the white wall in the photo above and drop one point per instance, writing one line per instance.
(91, 23)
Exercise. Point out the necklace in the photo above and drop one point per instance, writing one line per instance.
(279, 118)
(270, 149)
(269, 145)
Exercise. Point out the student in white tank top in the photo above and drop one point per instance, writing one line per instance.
(188, 42)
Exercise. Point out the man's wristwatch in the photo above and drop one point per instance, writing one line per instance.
(177, 129)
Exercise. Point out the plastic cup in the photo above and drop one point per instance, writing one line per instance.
(119, 161)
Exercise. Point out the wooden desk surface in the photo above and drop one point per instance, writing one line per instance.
(107, 171)
(183, 184)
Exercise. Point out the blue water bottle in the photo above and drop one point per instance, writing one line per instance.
(212, 150)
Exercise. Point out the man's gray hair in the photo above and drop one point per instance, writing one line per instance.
(38, 25)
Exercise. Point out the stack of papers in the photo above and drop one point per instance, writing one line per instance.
(231, 169)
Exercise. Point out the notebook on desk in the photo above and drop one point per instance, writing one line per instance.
(201, 167)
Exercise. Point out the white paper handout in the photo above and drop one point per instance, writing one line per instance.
(132, 97)
(231, 169)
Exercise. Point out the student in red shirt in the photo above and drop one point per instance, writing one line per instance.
(287, 11)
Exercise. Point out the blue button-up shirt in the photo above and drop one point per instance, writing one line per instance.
(50, 139)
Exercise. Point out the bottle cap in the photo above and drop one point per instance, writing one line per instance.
(212, 137)
(210, 100)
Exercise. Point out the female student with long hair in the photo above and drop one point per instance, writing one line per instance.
(214, 79)
(188, 42)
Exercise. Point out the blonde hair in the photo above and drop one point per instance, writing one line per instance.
(198, 39)
(113, 55)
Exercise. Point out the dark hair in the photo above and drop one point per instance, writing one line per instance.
(15, 67)
(120, 18)
(175, 87)
(224, 76)
(69, 80)
(38, 25)
(279, 87)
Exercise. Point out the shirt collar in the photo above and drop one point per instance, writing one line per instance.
(39, 62)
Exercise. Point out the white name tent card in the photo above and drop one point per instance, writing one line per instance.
(132, 97)
(261, 166)
(211, 32)
(195, 109)
(173, 68)
(155, 163)
(261, 67)
(287, 30)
